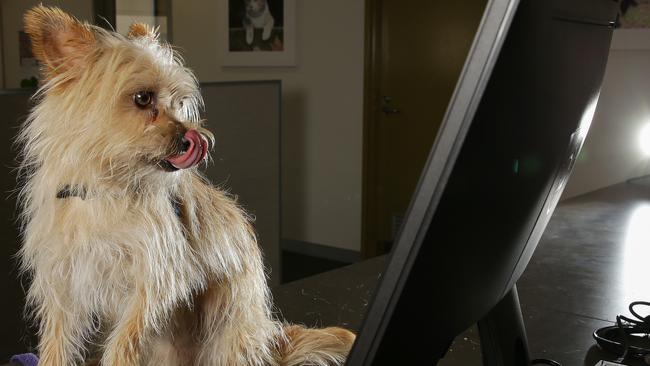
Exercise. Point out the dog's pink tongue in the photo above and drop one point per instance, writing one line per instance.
(194, 154)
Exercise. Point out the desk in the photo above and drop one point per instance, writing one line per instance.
(340, 297)
(581, 276)
(579, 279)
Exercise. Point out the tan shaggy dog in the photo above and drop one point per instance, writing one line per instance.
(134, 258)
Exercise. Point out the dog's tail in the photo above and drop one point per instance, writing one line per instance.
(314, 347)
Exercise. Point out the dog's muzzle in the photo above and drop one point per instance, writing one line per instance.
(194, 151)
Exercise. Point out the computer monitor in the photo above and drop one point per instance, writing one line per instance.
(513, 129)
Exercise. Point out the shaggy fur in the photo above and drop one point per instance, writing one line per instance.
(139, 263)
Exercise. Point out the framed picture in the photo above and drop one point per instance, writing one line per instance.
(124, 21)
(156, 13)
(258, 32)
(634, 28)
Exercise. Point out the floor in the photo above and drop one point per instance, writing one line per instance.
(296, 266)
(593, 260)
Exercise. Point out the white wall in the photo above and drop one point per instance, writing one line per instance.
(612, 152)
(12, 22)
(322, 111)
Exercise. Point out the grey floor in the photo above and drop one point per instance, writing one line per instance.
(593, 260)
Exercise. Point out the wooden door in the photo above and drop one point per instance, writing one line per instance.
(415, 51)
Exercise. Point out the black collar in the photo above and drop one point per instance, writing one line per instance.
(72, 191)
(77, 191)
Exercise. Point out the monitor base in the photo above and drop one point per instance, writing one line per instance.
(502, 333)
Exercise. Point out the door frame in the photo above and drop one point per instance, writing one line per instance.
(372, 67)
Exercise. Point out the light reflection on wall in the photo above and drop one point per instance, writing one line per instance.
(644, 139)
(636, 258)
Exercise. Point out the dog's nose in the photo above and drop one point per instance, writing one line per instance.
(185, 144)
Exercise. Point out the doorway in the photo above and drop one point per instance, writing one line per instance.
(415, 51)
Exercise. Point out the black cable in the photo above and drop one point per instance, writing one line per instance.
(616, 339)
(544, 361)
(643, 319)
(626, 340)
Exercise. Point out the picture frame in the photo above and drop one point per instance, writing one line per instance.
(155, 13)
(160, 23)
(254, 36)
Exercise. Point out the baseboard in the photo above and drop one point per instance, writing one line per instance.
(320, 251)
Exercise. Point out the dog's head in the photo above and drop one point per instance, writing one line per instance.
(125, 105)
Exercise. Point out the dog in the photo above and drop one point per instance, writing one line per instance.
(133, 257)
(258, 16)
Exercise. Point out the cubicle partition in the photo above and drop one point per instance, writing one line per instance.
(245, 118)
(14, 336)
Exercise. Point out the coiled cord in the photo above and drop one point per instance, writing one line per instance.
(616, 338)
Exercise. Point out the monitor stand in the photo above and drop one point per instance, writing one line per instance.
(502, 333)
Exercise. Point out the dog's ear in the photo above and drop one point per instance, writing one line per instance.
(59, 41)
(140, 30)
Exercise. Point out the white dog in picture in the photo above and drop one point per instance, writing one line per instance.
(257, 16)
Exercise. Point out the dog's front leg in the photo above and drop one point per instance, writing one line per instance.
(60, 336)
(124, 345)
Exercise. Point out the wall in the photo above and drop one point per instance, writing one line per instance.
(2, 73)
(612, 152)
(12, 21)
(322, 111)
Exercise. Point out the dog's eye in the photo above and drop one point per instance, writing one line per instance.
(143, 99)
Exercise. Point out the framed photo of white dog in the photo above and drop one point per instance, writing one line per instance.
(257, 32)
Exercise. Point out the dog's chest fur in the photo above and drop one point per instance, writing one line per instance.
(107, 243)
